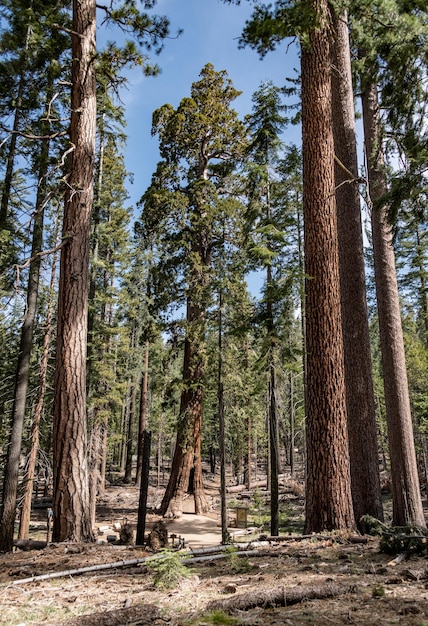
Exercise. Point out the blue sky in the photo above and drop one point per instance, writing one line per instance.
(210, 35)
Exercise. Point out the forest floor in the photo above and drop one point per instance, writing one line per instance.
(333, 580)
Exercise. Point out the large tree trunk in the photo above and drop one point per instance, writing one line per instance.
(328, 488)
(11, 473)
(406, 496)
(71, 491)
(362, 429)
(187, 454)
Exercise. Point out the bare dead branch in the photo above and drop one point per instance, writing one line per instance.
(60, 133)
(28, 262)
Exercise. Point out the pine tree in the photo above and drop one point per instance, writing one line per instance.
(375, 44)
(328, 500)
(32, 52)
(270, 220)
(361, 417)
(72, 518)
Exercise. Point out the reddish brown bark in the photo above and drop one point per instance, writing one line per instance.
(71, 491)
(328, 492)
(360, 403)
(187, 454)
(406, 496)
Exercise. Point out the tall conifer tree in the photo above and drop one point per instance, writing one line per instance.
(195, 139)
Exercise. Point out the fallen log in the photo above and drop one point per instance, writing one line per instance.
(29, 544)
(142, 614)
(187, 556)
(255, 484)
(335, 538)
(238, 488)
(271, 597)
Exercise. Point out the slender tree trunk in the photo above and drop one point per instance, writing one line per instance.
(292, 423)
(143, 413)
(130, 435)
(24, 522)
(72, 519)
(11, 474)
(144, 488)
(10, 161)
(95, 224)
(95, 444)
(221, 423)
(362, 429)
(273, 415)
(125, 418)
(248, 424)
(423, 291)
(328, 484)
(406, 496)
(102, 484)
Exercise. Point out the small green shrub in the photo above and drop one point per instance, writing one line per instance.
(219, 617)
(168, 569)
(236, 564)
(214, 617)
(378, 591)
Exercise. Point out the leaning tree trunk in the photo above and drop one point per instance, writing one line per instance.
(328, 482)
(72, 520)
(11, 472)
(406, 496)
(362, 429)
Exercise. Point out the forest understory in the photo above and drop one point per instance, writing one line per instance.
(323, 580)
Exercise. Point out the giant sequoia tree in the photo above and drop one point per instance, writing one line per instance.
(182, 211)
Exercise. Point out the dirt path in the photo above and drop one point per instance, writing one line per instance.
(198, 531)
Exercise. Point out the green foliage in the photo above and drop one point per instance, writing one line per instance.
(219, 617)
(399, 539)
(391, 37)
(237, 563)
(214, 617)
(378, 591)
(168, 569)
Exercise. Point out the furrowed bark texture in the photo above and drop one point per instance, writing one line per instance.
(71, 492)
(187, 455)
(360, 402)
(406, 496)
(328, 493)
